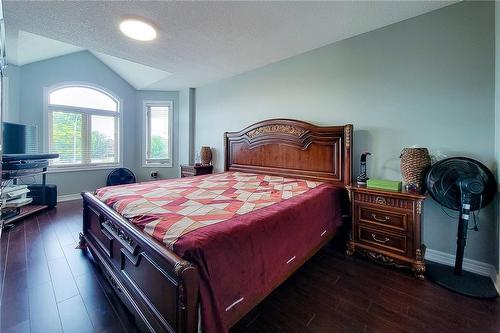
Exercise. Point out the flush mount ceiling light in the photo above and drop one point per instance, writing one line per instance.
(138, 29)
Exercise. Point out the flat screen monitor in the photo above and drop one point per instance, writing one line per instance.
(18, 138)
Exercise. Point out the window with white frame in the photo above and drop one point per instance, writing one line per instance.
(83, 127)
(157, 141)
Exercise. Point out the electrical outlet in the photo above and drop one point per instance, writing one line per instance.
(154, 174)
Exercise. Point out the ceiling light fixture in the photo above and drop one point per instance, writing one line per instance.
(138, 29)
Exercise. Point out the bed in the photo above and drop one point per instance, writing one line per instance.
(218, 244)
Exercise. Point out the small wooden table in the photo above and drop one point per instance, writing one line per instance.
(195, 170)
(386, 227)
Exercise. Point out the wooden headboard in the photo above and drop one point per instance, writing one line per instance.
(291, 148)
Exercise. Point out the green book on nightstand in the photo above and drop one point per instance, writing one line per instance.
(384, 184)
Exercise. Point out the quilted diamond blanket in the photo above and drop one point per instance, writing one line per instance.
(168, 209)
(245, 232)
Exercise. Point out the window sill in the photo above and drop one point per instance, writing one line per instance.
(82, 168)
(157, 165)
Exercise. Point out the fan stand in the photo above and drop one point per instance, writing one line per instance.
(468, 284)
(454, 279)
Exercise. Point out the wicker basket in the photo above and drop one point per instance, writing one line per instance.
(414, 163)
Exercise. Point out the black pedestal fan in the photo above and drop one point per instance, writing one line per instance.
(465, 185)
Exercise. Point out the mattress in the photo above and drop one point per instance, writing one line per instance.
(245, 232)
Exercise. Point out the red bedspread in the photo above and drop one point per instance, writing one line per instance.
(243, 253)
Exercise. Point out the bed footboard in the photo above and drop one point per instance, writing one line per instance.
(157, 286)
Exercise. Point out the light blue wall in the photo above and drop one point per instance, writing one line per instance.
(84, 67)
(186, 125)
(77, 67)
(497, 113)
(144, 174)
(428, 80)
(12, 92)
(184, 137)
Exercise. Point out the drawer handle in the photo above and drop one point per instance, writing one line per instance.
(380, 200)
(385, 219)
(115, 284)
(383, 241)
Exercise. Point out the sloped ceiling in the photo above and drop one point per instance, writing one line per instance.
(198, 42)
(25, 47)
(139, 76)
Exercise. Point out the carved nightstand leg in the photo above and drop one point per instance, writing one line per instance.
(350, 249)
(82, 244)
(418, 270)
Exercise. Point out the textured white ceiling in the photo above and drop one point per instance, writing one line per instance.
(199, 42)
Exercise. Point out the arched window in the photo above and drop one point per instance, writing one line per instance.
(83, 126)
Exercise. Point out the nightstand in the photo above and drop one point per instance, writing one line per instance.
(386, 227)
(195, 170)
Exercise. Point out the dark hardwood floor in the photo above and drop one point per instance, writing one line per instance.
(49, 286)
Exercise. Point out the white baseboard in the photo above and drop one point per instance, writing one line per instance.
(68, 197)
(469, 265)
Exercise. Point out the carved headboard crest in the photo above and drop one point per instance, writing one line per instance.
(291, 148)
(275, 129)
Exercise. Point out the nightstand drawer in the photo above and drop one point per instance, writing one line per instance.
(187, 173)
(383, 200)
(383, 240)
(383, 218)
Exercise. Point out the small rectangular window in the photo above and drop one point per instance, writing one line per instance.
(158, 130)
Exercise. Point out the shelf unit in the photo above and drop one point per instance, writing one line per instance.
(15, 176)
